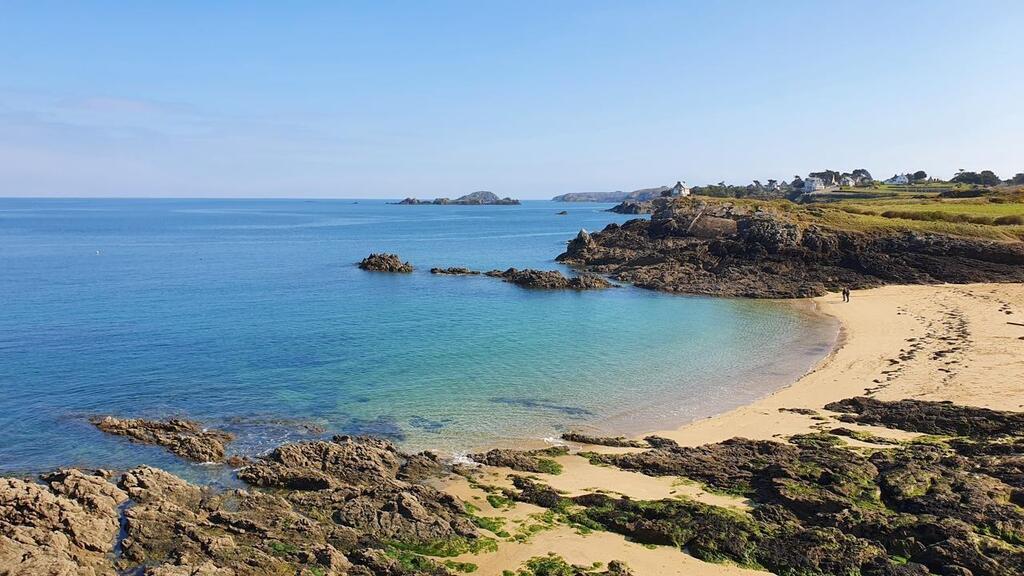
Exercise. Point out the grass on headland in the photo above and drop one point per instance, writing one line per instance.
(979, 218)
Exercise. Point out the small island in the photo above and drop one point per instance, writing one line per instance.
(479, 198)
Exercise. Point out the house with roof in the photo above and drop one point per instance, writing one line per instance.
(813, 184)
(679, 189)
(899, 179)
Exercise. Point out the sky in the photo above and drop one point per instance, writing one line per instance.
(388, 99)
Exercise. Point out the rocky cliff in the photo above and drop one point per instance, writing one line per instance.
(740, 249)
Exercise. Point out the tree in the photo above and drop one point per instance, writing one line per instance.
(1018, 179)
(861, 174)
(920, 175)
(983, 178)
(827, 176)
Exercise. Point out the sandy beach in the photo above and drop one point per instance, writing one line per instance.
(962, 343)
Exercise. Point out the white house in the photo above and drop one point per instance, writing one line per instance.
(847, 181)
(813, 184)
(680, 189)
(899, 179)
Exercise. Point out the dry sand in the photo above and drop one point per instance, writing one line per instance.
(949, 342)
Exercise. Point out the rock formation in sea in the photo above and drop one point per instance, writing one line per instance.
(481, 197)
(550, 279)
(385, 263)
(182, 437)
(716, 247)
(454, 271)
(633, 207)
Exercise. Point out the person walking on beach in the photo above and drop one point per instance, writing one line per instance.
(846, 294)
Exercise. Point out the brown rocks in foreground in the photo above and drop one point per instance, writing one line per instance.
(384, 262)
(946, 505)
(934, 505)
(66, 525)
(151, 522)
(550, 279)
(182, 437)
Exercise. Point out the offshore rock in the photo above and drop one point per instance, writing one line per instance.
(454, 271)
(632, 207)
(384, 262)
(479, 198)
(182, 437)
(550, 279)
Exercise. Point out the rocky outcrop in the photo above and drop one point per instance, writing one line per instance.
(454, 271)
(632, 207)
(65, 526)
(524, 461)
(931, 417)
(934, 506)
(339, 507)
(383, 262)
(182, 437)
(714, 247)
(479, 198)
(550, 279)
(616, 441)
(343, 461)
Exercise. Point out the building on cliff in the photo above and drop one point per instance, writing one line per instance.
(679, 189)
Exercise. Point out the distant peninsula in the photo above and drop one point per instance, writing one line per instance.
(481, 197)
(640, 195)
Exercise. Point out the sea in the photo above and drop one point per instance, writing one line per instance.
(252, 316)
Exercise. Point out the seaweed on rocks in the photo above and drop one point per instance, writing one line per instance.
(930, 417)
(821, 507)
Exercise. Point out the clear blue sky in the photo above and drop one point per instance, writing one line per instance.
(525, 98)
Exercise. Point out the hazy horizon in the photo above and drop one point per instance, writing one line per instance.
(526, 99)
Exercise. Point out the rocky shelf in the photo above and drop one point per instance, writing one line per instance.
(946, 503)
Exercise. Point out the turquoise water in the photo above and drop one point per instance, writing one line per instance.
(251, 315)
